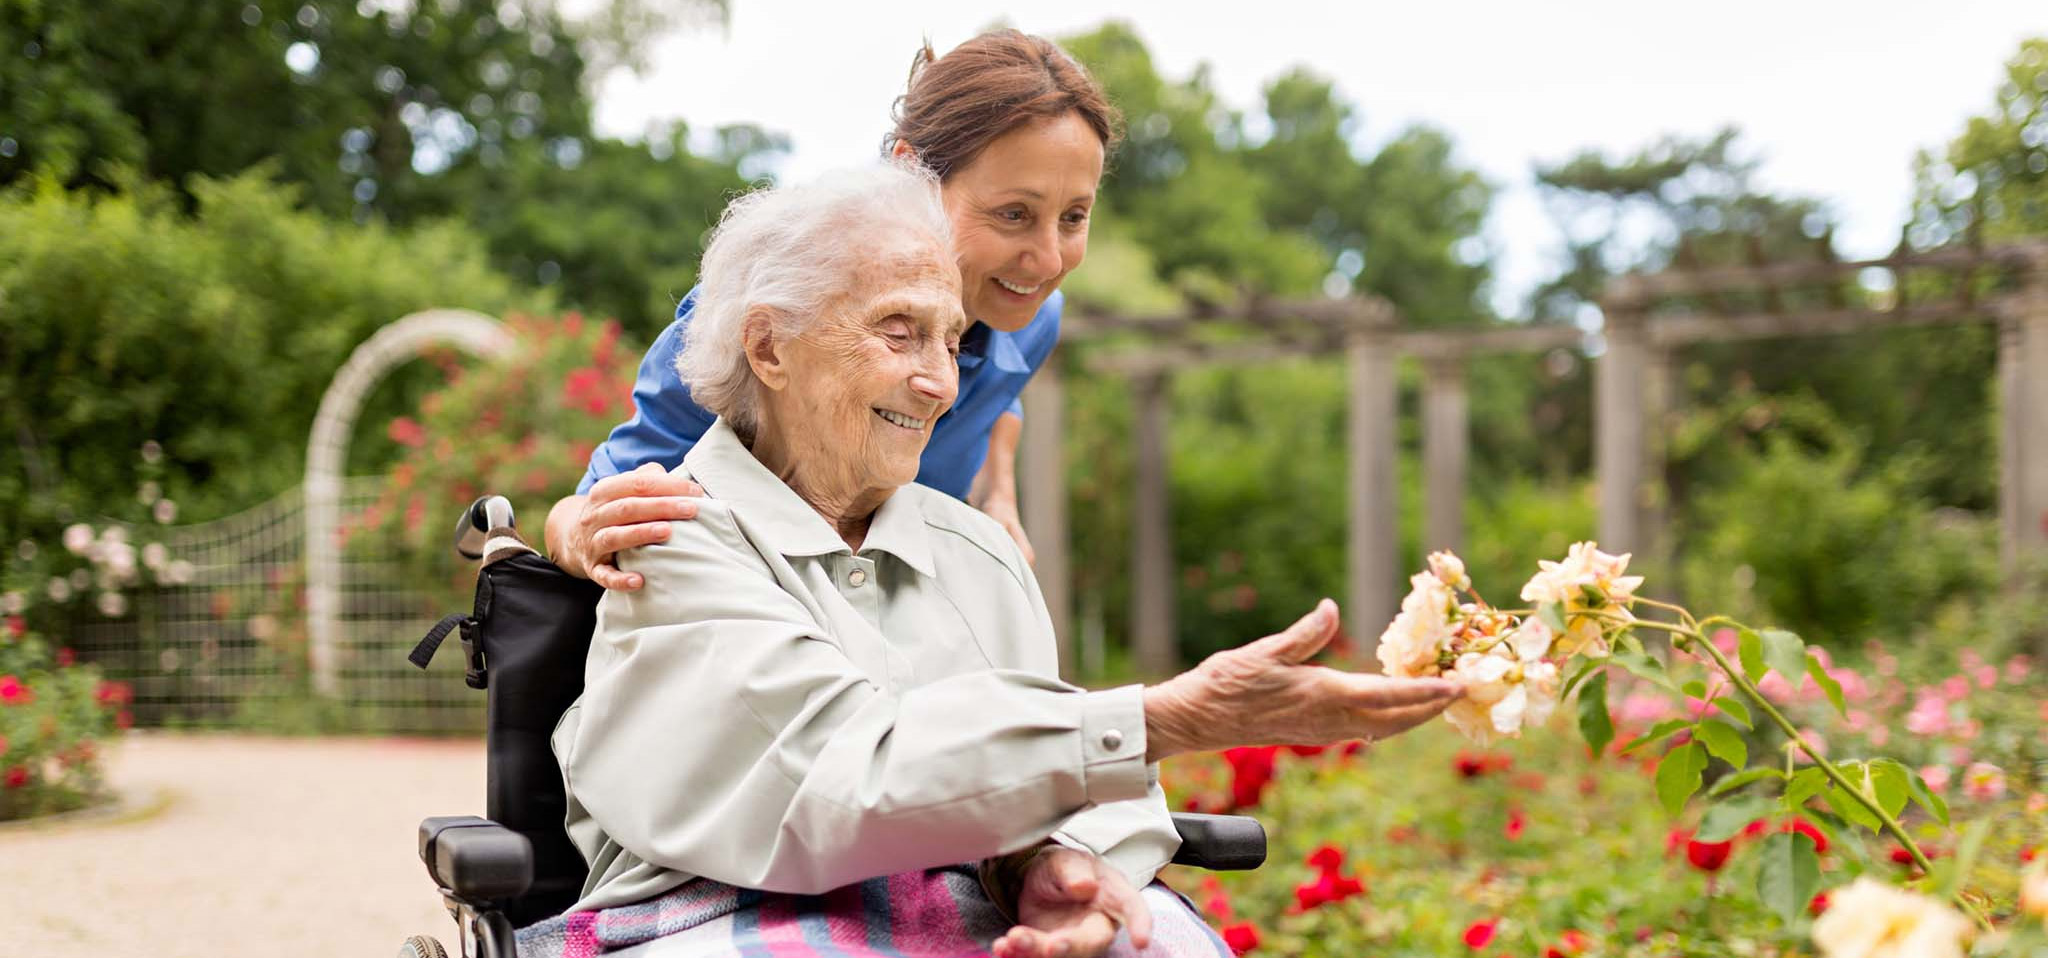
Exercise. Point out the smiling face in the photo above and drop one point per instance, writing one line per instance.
(850, 403)
(1020, 214)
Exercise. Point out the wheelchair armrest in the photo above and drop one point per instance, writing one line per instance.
(1219, 842)
(476, 859)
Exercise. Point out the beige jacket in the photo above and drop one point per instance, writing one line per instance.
(774, 711)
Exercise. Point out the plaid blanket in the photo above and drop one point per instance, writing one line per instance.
(940, 913)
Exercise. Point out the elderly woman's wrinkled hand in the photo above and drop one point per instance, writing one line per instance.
(1070, 906)
(1267, 693)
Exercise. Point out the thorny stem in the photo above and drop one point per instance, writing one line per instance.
(1696, 635)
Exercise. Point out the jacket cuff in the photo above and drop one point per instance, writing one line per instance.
(1113, 745)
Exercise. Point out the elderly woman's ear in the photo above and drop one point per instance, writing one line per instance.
(764, 349)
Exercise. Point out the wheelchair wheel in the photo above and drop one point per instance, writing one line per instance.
(422, 946)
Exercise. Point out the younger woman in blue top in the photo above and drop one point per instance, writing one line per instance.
(1017, 133)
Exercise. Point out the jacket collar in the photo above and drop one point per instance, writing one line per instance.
(772, 510)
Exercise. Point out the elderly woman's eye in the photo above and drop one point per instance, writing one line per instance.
(1012, 215)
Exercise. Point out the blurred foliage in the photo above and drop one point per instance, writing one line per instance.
(1295, 210)
(1545, 850)
(521, 426)
(1992, 179)
(478, 110)
(213, 334)
(54, 718)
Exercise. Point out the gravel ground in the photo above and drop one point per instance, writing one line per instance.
(241, 846)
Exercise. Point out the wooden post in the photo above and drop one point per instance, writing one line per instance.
(1155, 646)
(1618, 432)
(1373, 536)
(1654, 548)
(2023, 375)
(1445, 438)
(1043, 499)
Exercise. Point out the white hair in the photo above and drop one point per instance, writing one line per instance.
(789, 249)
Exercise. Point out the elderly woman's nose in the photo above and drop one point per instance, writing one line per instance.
(935, 386)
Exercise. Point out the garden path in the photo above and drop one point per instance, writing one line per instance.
(262, 846)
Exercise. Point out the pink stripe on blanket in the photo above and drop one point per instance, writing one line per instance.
(779, 930)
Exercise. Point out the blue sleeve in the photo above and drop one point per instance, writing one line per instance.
(665, 423)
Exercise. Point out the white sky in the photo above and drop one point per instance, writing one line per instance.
(1834, 96)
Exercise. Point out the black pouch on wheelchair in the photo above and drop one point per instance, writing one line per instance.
(525, 643)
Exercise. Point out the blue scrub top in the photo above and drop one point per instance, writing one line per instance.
(994, 366)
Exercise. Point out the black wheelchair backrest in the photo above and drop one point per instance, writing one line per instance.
(525, 642)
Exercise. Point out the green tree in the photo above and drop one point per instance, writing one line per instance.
(213, 334)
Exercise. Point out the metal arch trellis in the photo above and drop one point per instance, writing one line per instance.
(327, 454)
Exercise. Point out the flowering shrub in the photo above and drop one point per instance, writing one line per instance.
(522, 427)
(1857, 858)
(54, 713)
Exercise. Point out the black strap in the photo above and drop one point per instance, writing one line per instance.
(423, 653)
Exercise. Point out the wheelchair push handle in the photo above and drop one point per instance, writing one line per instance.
(473, 527)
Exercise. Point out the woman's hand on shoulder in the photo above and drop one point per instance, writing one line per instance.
(630, 509)
(1070, 905)
(1268, 693)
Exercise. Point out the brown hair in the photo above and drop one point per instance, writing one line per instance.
(959, 103)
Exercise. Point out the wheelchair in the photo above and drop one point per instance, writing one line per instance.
(523, 644)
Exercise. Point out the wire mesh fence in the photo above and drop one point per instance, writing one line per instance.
(228, 646)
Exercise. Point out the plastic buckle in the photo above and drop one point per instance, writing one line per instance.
(474, 674)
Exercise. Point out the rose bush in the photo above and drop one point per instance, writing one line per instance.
(522, 426)
(55, 716)
(1561, 849)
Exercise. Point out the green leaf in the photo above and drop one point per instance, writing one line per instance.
(1657, 733)
(1695, 688)
(1735, 710)
(1647, 668)
(1891, 785)
(1552, 614)
(1723, 740)
(1789, 874)
(1580, 673)
(1728, 819)
(1745, 777)
(1594, 722)
(1958, 868)
(1827, 684)
(1805, 784)
(1925, 798)
(1848, 807)
(1749, 648)
(1678, 775)
(1785, 653)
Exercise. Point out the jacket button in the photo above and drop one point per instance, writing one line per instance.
(1112, 740)
(857, 578)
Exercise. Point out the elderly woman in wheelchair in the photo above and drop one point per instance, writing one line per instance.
(832, 717)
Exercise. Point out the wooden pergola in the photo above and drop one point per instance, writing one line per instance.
(1648, 319)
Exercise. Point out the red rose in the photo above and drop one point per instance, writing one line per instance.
(1330, 887)
(1241, 938)
(66, 658)
(1572, 942)
(1810, 830)
(1251, 771)
(16, 626)
(1307, 751)
(1480, 934)
(1818, 904)
(1326, 859)
(14, 692)
(1756, 828)
(1708, 856)
(1516, 823)
(16, 777)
